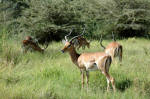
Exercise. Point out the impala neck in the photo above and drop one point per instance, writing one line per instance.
(74, 56)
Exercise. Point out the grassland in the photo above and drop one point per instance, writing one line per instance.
(52, 75)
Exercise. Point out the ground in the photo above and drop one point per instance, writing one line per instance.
(52, 75)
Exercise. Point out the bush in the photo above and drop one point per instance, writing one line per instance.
(49, 20)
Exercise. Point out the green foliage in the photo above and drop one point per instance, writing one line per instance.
(49, 20)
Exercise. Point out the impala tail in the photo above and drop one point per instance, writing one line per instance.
(108, 63)
(120, 51)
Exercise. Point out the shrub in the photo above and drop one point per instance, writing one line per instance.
(49, 20)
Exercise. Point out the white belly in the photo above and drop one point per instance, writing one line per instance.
(92, 67)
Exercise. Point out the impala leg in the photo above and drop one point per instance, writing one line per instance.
(112, 57)
(110, 79)
(113, 83)
(87, 78)
(88, 45)
(108, 84)
(25, 50)
(120, 57)
(83, 47)
(82, 77)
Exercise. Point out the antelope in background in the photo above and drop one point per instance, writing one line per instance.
(89, 62)
(114, 49)
(81, 41)
(30, 44)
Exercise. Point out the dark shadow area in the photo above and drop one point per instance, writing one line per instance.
(133, 33)
(123, 85)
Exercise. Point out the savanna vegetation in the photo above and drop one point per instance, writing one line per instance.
(52, 75)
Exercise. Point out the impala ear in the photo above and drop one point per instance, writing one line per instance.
(63, 41)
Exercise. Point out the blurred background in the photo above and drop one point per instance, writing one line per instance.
(48, 20)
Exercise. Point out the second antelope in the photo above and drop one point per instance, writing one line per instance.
(29, 44)
(114, 49)
(89, 62)
(81, 41)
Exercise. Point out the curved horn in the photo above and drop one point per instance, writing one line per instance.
(75, 37)
(113, 36)
(78, 35)
(68, 35)
(101, 42)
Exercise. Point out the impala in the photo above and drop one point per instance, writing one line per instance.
(89, 62)
(81, 41)
(29, 44)
(29, 38)
(114, 49)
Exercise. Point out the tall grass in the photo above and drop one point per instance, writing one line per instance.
(52, 75)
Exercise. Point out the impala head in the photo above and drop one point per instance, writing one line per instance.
(69, 44)
(28, 38)
(68, 47)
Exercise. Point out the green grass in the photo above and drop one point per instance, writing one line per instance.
(52, 75)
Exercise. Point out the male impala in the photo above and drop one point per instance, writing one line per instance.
(114, 49)
(81, 41)
(89, 62)
(29, 44)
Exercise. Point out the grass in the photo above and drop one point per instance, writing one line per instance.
(52, 75)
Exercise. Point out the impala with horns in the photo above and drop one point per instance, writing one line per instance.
(80, 41)
(114, 49)
(30, 45)
(89, 62)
